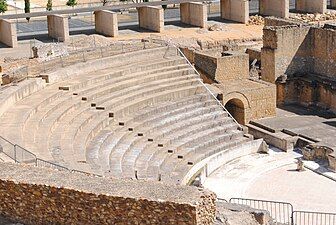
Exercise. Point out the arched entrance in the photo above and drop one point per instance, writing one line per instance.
(236, 108)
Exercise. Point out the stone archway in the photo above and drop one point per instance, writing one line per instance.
(238, 106)
(236, 109)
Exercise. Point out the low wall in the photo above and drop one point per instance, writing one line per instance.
(10, 94)
(37, 196)
(278, 139)
(210, 164)
(116, 60)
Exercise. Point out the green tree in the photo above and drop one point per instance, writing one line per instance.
(49, 5)
(3, 6)
(27, 8)
(71, 3)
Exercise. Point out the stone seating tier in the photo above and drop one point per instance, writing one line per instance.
(129, 118)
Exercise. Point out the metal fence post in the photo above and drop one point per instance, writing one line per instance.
(15, 154)
(83, 56)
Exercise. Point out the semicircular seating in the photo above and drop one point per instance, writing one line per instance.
(145, 118)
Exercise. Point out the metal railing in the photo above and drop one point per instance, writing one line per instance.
(22, 156)
(284, 213)
(218, 102)
(47, 164)
(281, 212)
(313, 218)
(7, 148)
(77, 56)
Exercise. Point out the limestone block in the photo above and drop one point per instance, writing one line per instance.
(106, 23)
(235, 10)
(311, 6)
(194, 13)
(8, 35)
(151, 18)
(278, 8)
(58, 27)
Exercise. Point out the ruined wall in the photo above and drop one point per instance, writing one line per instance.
(247, 99)
(40, 196)
(258, 98)
(302, 61)
(324, 51)
(286, 50)
(231, 66)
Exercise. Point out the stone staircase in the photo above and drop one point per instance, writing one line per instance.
(149, 118)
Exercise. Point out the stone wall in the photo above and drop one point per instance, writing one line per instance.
(285, 51)
(245, 99)
(298, 49)
(324, 51)
(231, 66)
(257, 99)
(36, 196)
(302, 61)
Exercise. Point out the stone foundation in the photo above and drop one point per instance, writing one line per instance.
(40, 196)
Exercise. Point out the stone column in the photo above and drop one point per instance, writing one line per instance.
(278, 8)
(58, 27)
(311, 6)
(151, 18)
(8, 35)
(235, 10)
(194, 13)
(106, 23)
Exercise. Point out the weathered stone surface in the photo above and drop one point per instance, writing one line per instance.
(233, 214)
(39, 196)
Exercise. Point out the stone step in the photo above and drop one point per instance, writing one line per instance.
(132, 152)
(144, 159)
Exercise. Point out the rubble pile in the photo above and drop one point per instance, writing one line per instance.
(218, 27)
(317, 17)
(256, 20)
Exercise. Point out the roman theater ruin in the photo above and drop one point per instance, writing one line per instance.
(168, 112)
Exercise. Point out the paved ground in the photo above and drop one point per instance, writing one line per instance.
(274, 177)
(306, 121)
(86, 21)
(305, 190)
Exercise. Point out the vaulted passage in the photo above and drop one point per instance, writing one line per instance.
(236, 109)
